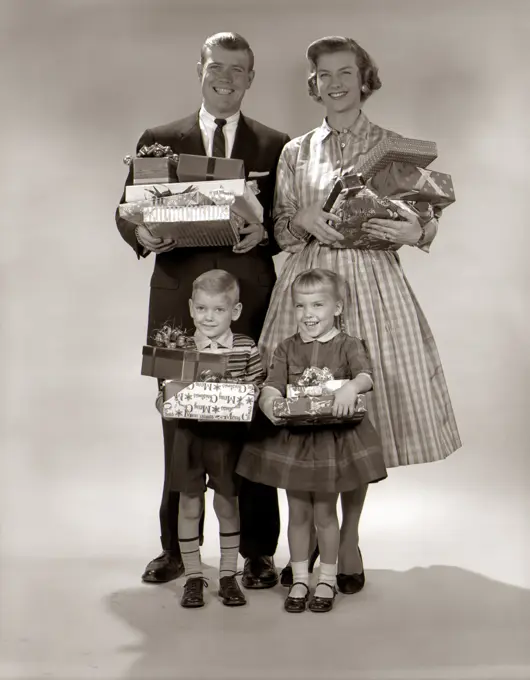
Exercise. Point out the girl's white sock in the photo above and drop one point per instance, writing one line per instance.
(300, 575)
(328, 575)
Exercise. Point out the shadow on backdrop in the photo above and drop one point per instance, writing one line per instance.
(439, 622)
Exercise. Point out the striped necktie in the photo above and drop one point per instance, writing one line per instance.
(219, 144)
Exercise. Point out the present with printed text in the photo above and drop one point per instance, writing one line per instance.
(220, 401)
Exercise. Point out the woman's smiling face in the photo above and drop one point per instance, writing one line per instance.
(338, 81)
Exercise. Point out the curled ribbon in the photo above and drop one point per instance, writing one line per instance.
(315, 376)
(172, 338)
(156, 150)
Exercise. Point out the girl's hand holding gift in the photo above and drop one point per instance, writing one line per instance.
(267, 397)
(345, 400)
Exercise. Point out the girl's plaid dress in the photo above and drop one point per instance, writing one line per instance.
(331, 458)
(410, 405)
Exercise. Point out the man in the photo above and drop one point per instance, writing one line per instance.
(226, 72)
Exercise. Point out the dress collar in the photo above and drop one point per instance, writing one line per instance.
(360, 127)
(224, 341)
(323, 338)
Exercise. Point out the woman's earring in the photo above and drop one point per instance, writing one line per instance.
(365, 89)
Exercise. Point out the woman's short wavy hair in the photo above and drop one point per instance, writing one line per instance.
(366, 65)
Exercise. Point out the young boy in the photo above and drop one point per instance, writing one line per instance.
(210, 448)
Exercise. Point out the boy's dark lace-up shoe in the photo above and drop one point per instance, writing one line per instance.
(230, 592)
(192, 596)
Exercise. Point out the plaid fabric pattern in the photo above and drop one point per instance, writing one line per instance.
(410, 405)
(331, 458)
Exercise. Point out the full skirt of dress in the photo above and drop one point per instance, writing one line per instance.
(410, 406)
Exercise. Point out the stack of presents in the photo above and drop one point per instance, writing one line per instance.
(201, 201)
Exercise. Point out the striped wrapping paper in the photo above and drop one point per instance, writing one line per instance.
(397, 149)
(194, 226)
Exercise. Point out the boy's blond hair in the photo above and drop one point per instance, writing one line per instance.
(218, 282)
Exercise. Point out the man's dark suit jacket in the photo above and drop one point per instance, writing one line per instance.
(174, 272)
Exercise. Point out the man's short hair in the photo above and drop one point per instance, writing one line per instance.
(228, 41)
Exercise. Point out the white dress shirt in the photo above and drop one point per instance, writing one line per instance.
(208, 126)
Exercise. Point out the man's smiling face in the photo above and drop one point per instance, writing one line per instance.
(225, 76)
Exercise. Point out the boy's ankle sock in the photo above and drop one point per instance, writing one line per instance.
(300, 575)
(328, 575)
(191, 557)
(229, 543)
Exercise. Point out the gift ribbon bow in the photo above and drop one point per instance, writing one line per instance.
(315, 376)
(156, 150)
(173, 338)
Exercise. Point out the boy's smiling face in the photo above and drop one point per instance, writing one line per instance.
(213, 313)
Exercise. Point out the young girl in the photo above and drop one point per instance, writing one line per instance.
(315, 464)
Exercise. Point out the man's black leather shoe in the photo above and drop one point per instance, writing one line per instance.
(259, 572)
(166, 567)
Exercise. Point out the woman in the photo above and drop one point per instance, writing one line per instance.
(410, 405)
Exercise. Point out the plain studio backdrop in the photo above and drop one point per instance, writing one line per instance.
(81, 466)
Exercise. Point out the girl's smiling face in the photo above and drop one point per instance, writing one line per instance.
(316, 311)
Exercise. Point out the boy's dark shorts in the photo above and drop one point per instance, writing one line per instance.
(206, 451)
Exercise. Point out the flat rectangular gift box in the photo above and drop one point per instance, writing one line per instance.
(195, 226)
(246, 203)
(193, 168)
(153, 170)
(314, 410)
(408, 182)
(418, 152)
(214, 401)
(322, 389)
(180, 364)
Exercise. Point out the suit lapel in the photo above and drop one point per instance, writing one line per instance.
(191, 140)
(245, 146)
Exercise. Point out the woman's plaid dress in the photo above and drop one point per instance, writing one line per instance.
(410, 405)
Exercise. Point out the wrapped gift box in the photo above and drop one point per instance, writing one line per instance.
(411, 183)
(135, 211)
(195, 226)
(219, 401)
(356, 210)
(192, 168)
(323, 389)
(356, 204)
(314, 410)
(246, 203)
(397, 149)
(180, 364)
(154, 170)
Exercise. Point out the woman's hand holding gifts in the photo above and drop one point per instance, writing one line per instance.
(405, 229)
(314, 221)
